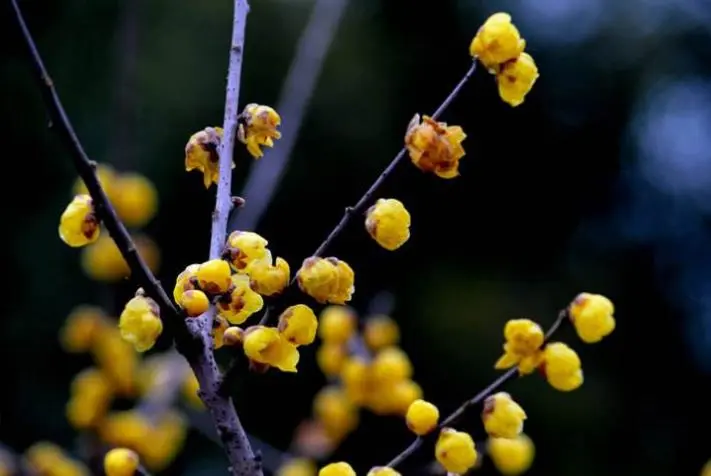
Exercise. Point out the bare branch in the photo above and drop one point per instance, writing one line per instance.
(294, 98)
(475, 400)
(368, 195)
(223, 203)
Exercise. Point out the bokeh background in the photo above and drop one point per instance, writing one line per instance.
(600, 182)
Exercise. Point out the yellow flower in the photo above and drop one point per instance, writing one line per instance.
(258, 127)
(265, 345)
(214, 276)
(269, 279)
(49, 459)
(244, 247)
(593, 317)
(326, 279)
(219, 328)
(337, 324)
(391, 365)
(297, 467)
(186, 280)
(117, 358)
(135, 200)
(524, 339)
(91, 394)
(103, 261)
(140, 322)
(190, 389)
(393, 398)
(163, 442)
(233, 336)
(497, 41)
(422, 417)
(434, 146)
(201, 153)
(455, 451)
(706, 470)
(516, 79)
(298, 324)
(355, 376)
(337, 469)
(81, 328)
(380, 331)
(383, 471)
(124, 428)
(194, 302)
(561, 367)
(502, 416)
(511, 456)
(79, 225)
(330, 358)
(241, 302)
(335, 411)
(120, 462)
(388, 223)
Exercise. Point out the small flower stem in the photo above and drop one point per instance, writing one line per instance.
(368, 195)
(475, 400)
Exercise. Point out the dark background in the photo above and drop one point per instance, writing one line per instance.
(600, 182)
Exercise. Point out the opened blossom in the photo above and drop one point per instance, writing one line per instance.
(266, 345)
(524, 339)
(326, 279)
(258, 127)
(201, 153)
(434, 146)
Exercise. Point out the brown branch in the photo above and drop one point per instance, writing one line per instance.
(194, 341)
(475, 400)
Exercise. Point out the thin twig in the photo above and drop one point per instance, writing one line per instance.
(104, 210)
(475, 400)
(294, 98)
(368, 195)
(223, 203)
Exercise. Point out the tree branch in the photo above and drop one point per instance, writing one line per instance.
(294, 98)
(368, 195)
(192, 341)
(475, 400)
(242, 459)
(86, 169)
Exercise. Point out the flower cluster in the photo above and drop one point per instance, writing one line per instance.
(592, 317)
(258, 128)
(499, 47)
(120, 373)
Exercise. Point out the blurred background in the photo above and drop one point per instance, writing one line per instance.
(599, 182)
